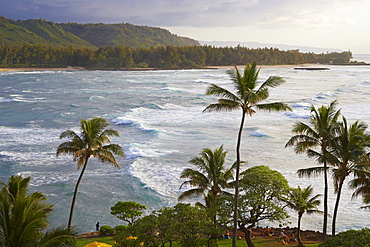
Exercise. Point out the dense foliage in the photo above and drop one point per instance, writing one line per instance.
(349, 238)
(183, 224)
(170, 56)
(40, 31)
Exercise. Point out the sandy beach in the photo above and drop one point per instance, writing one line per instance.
(39, 69)
(208, 67)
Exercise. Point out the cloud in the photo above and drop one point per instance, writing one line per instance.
(189, 13)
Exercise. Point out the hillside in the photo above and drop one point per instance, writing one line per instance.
(37, 32)
(127, 35)
(40, 31)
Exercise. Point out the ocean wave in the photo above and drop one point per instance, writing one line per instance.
(302, 104)
(136, 150)
(200, 81)
(259, 133)
(96, 97)
(4, 100)
(324, 95)
(121, 121)
(155, 175)
(294, 114)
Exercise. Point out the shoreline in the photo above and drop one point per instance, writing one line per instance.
(72, 68)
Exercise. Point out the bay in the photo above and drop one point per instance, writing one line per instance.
(159, 117)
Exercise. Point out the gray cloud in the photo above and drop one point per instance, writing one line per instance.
(191, 13)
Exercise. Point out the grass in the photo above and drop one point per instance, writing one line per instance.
(84, 241)
(259, 242)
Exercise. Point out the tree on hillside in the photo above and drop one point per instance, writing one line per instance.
(23, 218)
(93, 140)
(320, 134)
(302, 201)
(248, 97)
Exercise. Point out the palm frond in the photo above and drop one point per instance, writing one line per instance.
(310, 172)
(223, 105)
(277, 106)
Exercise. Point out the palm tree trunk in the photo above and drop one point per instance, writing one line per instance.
(75, 194)
(339, 192)
(325, 225)
(299, 231)
(236, 199)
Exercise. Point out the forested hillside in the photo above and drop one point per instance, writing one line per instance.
(17, 33)
(126, 34)
(40, 31)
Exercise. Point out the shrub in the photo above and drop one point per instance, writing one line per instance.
(350, 238)
(120, 229)
(106, 230)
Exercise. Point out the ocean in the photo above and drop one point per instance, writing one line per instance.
(158, 115)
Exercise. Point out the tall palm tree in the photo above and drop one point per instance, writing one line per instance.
(324, 121)
(210, 176)
(302, 201)
(23, 218)
(248, 97)
(89, 142)
(349, 151)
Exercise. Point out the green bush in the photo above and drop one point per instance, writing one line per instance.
(350, 238)
(120, 229)
(106, 230)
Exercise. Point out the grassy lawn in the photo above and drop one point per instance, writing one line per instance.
(259, 242)
(84, 241)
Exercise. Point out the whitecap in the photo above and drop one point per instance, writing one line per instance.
(121, 121)
(96, 97)
(258, 133)
(301, 104)
(324, 95)
(3, 100)
(297, 115)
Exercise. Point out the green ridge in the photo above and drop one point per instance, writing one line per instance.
(40, 31)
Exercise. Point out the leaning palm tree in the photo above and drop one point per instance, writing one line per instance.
(302, 201)
(23, 218)
(210, 176)
(320, 135)
(248, 97)
(93, 140)
(351, 146)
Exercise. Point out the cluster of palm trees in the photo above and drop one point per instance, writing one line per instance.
(341, 148)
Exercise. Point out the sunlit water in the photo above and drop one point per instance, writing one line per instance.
(159, 117)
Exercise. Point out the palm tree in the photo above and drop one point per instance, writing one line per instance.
(209, 178)
(361, 185)
(23, 218)
(324, 122)
(90, 142)
(248, 97)
(350, 150)
(302, 201)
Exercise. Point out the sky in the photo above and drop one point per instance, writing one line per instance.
(335, 24)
